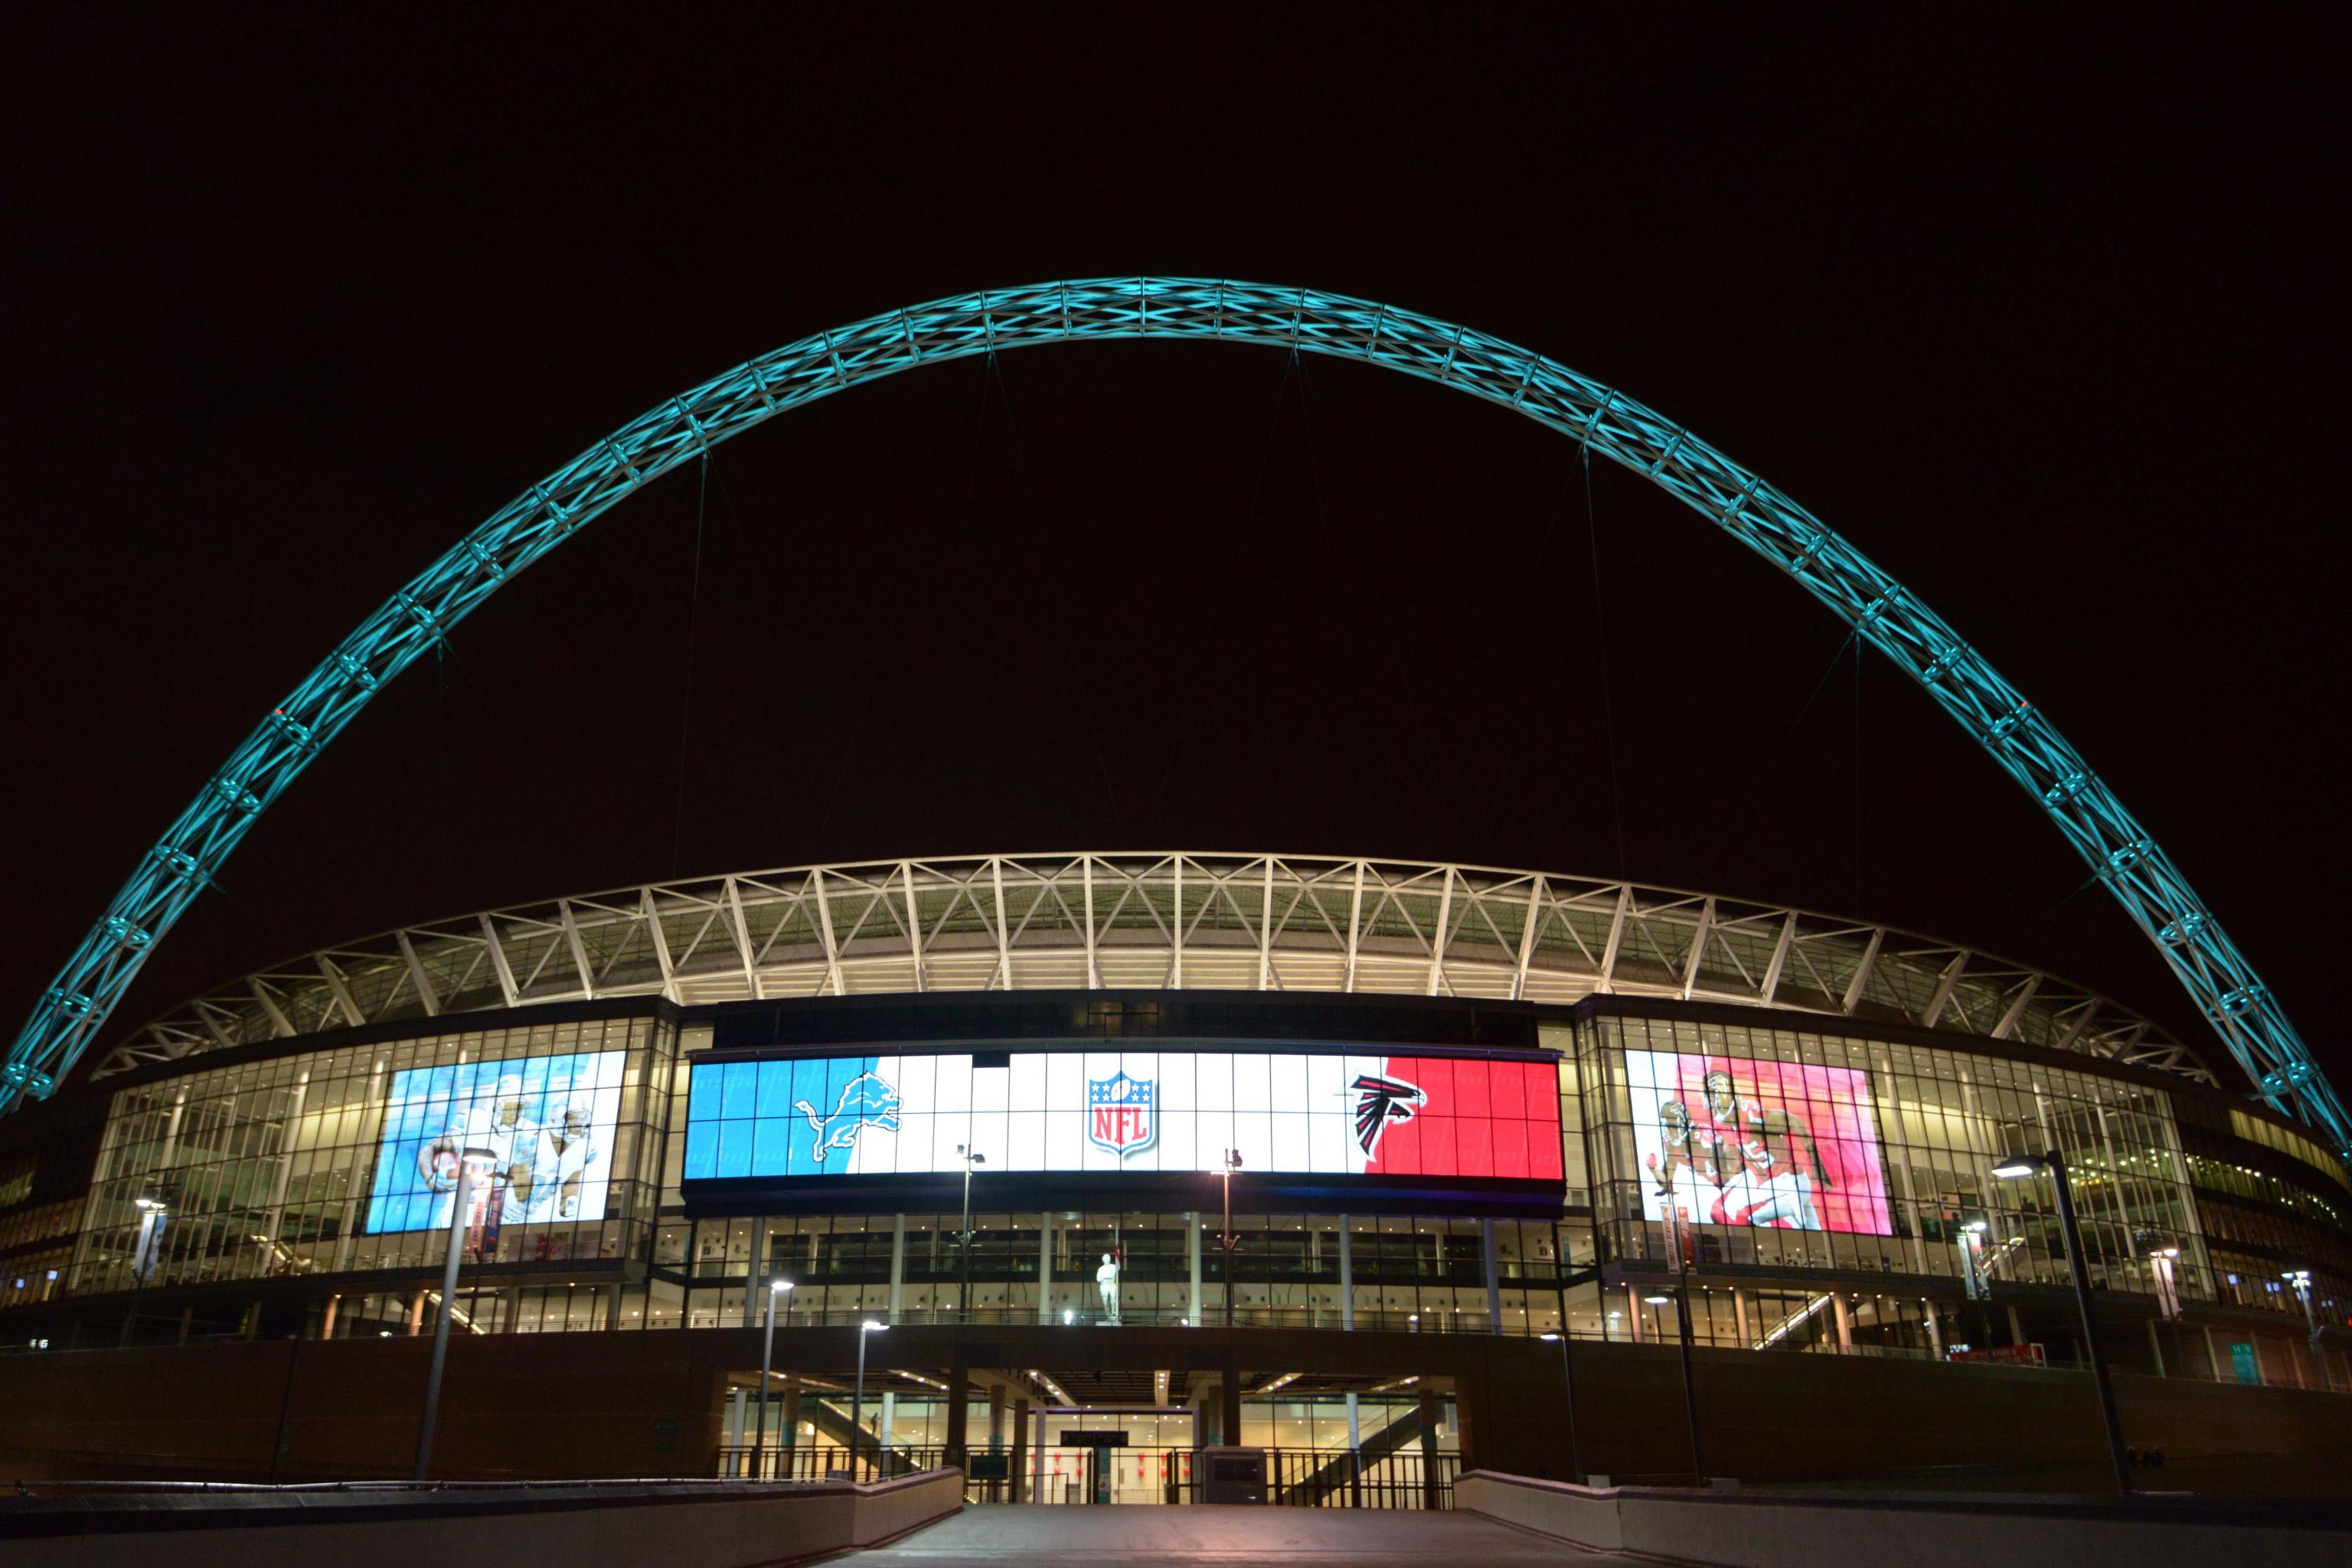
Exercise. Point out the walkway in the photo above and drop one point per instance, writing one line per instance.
(1185, 1537)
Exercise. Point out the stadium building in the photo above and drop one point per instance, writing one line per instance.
(1068, 1166)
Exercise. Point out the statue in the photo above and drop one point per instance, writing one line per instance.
(1106, 1281)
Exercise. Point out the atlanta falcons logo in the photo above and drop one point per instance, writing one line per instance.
(1379, 1101)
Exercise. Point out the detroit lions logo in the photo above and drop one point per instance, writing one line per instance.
(1379, 1101)
(867, 1100)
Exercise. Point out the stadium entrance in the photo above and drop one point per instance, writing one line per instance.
(1096, 1437)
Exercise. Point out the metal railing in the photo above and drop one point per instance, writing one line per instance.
(1375, 1478)
(1318, 1316)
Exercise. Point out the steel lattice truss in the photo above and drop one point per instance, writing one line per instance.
(1091, 921)
(2242, 1010)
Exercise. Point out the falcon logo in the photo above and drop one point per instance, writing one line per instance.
(1379, 1101)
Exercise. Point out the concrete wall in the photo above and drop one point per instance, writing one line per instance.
(1796, 1530)
(651, 1404)
(708, 1527)
(1793, 1418)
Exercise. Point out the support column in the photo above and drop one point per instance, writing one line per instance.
(2016, 1329)
(1208, 1403)
(995, 1427)
(1430, 1491)
(1494, 1277)
(1739, 1311)
(2154, 1348)
(327, 1327)
(898, 1264)
(792, 1427)
(1934, 1330)
(882, 1435)
(1844, 1313)
(417, 1313)
(959, 1394)
(1045, 1268)
(1634, 1313)
(1022, 1492)
(735, 1431)
(1192, 1257)
(1228, 1399)
(1347, 1324)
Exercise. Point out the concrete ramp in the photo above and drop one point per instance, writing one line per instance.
(1207, 1533)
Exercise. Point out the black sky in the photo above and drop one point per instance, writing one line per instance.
(2042, 313)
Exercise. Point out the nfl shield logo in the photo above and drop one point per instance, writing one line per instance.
(1118, 1114)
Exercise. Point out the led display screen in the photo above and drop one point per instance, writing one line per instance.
(538, 1129)
(1726, 1141)
(1334, 1114)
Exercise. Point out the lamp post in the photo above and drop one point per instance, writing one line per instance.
(1681, 1301)
(963, 1237)
(776, 1289)
(152, 1213)
(1682, 1243)
(458, 1197)
(1568, 1383)
(1225, 1237)
(2016, 1168)
(1229, 1402)
(857, 1400)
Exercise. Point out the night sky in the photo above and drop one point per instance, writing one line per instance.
(2048, 323)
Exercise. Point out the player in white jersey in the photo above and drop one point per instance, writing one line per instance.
(567, 1150)
(493, 1135)
(1684, 1184)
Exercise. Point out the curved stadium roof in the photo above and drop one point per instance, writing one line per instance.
(1157, 920)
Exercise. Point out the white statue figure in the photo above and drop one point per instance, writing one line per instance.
(1106, 1281)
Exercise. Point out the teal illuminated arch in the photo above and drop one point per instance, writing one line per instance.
(2159, 899)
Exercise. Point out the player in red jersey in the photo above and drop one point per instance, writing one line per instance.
(1762, 1185)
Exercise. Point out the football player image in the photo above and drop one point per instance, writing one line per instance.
(567, 1151)
(493, 1132)
(1764, 1185)
(1689, 1176)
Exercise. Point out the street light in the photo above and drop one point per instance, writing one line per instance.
(1228, 1405)
(1227, 1239)
(458, 1199)
(2016, 1168)
(777, 1289)
(963, 1237)
(1568, 1382)
(857, 1400)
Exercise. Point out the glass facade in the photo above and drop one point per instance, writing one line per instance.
(1827, 1190)
(272, 1169)
(1925, 1130)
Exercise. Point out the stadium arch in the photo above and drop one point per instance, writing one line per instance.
(2121, 853)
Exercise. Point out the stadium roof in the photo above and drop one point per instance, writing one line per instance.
(1150, 921)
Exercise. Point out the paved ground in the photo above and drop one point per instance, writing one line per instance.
(1187, 1536)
